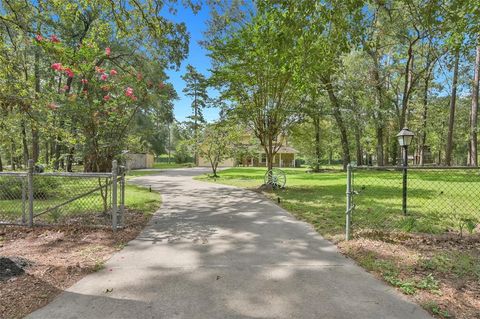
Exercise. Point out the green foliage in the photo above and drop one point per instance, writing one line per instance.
(75, 74)
(218, 142)
(44, 187)
(463, 265)
(183, 152)
(428, 283)
(434, 308)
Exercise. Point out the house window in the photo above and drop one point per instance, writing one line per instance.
(264, 158)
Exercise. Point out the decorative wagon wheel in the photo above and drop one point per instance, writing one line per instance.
(275, 177)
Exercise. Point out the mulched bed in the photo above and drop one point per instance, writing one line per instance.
(36, 264)
(440, 272)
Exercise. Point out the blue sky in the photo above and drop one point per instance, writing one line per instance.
(196, 25)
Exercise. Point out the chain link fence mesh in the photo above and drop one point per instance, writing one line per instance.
(85, 199)
(13, 194)
(440, 199)
(66, 199)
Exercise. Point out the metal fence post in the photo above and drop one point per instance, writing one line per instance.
(122, 197)
(24, 200)
(405, 180)
(349, 202)
(114, 195)
(30, 192)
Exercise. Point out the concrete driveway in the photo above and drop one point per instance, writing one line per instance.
(215, 251)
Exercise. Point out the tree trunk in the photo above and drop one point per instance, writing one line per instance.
(318, 151)
(358, 146)
(394, 151)
(47, 153)
(453, 101)
(12, 155)
(214, 165)
(423, 137)
(1, 163)
(169, 142)
(70, 159)
(339, 120)
(474, 112)
(35, 145)
(195, 128)
(379, 108)
(26, 156)
(56, 162)
(270, 153)
(380, 153)
(35, 134)
(407, 86)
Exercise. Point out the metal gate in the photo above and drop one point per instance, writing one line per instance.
(89, 199)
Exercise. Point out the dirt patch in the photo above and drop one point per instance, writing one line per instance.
(12, 267)
(441, 273)
(51, 259)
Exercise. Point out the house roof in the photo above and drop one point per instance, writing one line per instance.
(287, 149)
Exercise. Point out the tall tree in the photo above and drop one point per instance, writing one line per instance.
(473, 152)
(453, 104)
(256, 65)
(196, 88)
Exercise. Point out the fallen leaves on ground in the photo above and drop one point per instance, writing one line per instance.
(440, 272)
(58, 257)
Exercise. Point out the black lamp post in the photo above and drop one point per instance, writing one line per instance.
(405, 137)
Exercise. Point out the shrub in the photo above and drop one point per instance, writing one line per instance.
(44, 187)
(11, 187)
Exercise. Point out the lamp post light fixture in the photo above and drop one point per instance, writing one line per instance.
(405, 137)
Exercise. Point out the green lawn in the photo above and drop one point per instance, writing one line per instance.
(51, 191)
(438, 200)
(171, 165)
(141, 199)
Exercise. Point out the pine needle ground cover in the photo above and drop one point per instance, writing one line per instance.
(55, 257)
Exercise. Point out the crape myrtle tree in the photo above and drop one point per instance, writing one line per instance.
(75, 74)
(255, 65)
(218, 142)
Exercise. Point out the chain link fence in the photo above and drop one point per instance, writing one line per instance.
(433, 200)
(90, 199)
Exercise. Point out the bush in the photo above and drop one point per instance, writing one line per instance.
(44, 187)
(11, 187)
(182, 153)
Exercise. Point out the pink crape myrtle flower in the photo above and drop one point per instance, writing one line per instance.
(69, 72)
(84, 81)
(107, 51)
(38, 37)
(106, 97)
(66, 87)
(113, 72)
(57, 66)
(54, 38)
(129, 92)
(104, 77)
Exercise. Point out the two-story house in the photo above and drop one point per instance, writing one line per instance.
(285, 156)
